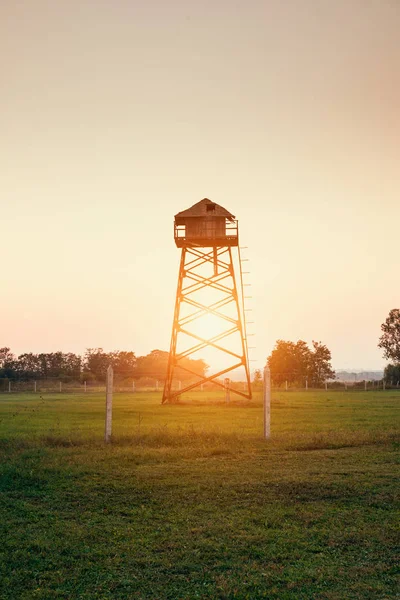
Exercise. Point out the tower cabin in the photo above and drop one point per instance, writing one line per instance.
(206, 224)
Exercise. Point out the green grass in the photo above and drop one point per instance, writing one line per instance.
(189, 501)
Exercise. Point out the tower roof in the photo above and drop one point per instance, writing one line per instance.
(205, 208)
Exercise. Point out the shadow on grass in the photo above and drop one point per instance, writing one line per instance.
(213, 442)
(339, 439)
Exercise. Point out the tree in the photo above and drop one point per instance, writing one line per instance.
(304, 359)
(6, 356)
(154, 366)
(289, 361)
(390, 339)
(283, 362)
(123, 363)
(257, 378)
(59, 364)
(295, 362)
(392, 374)
(96, 362)
(72, 365)
(7, 363)
(320, 365)
(28, 366)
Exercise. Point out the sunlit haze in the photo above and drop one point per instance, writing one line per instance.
(117, 115)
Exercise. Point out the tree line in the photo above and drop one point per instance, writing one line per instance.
(294, 362)
(92, 366)
(289, 361)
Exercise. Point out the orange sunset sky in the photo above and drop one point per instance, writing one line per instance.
(115, 115)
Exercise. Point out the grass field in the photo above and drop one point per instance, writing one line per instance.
(189, 501)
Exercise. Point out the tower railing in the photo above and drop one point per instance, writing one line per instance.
(208, 236)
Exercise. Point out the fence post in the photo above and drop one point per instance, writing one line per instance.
(286, 385)
(84, 383)
(365, 384)
(133, 386)
(326, 386)
(34, 387)
(60, 387)
(9, 386)
(267, 403)
(306, 383)
(157, 385)
(109, 395)
(227, 390)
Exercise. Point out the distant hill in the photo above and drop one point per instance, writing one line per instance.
(342, 375)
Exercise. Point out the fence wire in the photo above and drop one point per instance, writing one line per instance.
(149, 384)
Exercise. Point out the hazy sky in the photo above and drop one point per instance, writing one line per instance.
(117, 114)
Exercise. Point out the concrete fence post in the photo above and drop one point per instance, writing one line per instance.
(9, 386)
(227, 382)
(267, 403)
(286, 386)
(109, 396)
(34, 387)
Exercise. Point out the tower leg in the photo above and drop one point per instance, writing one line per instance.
(175, 328)
(195, 262)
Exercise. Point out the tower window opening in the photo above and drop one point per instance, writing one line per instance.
(211, 207)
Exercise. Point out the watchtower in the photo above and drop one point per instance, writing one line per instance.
(208, 288)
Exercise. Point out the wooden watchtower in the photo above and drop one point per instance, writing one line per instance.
(208, 235)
